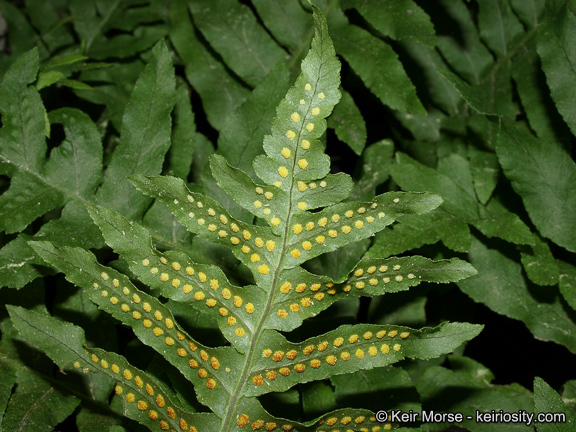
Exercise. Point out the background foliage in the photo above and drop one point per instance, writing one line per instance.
(472, 100)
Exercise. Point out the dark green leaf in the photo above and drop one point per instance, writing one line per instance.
(145, 135)
(501, 286)
(378, 66)
(398, 19)
(232, 30)
(547, 401)
(542, 174)
(556, 42)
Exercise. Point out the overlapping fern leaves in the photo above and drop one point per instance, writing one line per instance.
(303, 214)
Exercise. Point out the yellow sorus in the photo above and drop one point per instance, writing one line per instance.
(270, 245)
(285, 287)
(302, 163)
(290, 135)
(305, 144)
(283, 171)
(307, 245)
(302, 205)
(297, 229)
(315, 111)
(295, 117)
(310, 127)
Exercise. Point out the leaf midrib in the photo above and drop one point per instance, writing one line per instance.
(249, 356)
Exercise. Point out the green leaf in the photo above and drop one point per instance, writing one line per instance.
(539, 264)
(567, 283)
(541, 173)
(221, 94)
(413, 232)
(466, 55)
(378, 66)
(20, 264)
(547, 401)
(6, 385)
(501, 286)
(556, 41)
(348, 349)
(459, 198)
(145, 135)
(22, 140)
(240, 139)
(152, 322)
(467, 389)
(288, 22)
(474, 96)
(398, 20)
(374, 169)
(232, 30)
(485, 172)
(47, 78)
(177, 277)
(347, 122)
(65, 344)
(499, 27)
(377, 389)
(183, 135)
(535, 97)
(50, 406)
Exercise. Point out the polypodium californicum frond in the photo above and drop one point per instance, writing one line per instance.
(228, 379)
